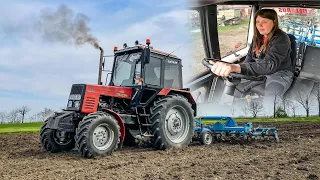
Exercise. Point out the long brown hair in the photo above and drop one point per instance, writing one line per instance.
(257, 37)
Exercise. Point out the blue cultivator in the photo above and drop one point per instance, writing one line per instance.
(207, 134)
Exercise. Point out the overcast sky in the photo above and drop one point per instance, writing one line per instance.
(37, 69)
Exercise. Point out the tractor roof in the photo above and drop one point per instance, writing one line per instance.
(143, 47)
(299, 3)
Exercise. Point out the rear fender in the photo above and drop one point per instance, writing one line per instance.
(120, 122)
(186, 94)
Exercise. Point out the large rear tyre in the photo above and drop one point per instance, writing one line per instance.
(98, 134)
(51, 141)
(172, 122)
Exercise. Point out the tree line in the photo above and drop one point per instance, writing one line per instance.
(19, 115)
(283, 106)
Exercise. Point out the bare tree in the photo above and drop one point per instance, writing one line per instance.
(46, 112)
(245, 111)
(316, 93)
(293, 107)
(13, 116)
(304, 100)
(271, 99)
(3, 117)
(232, 110)
(42, 115)
(254, 107)
(23, 111)
(285, 102)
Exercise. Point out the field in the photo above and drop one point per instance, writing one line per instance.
(296, 156)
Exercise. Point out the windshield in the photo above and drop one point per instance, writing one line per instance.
(153, 71)
(124, 70)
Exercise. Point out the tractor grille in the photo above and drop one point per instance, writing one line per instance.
(77, 89)
(89, 103)
(76, 97)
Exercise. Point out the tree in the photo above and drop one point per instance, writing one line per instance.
(232, 111)
(316, 92)
(3, 117)
(46, 112)
(281, 113)
(254, 107)
(245, 111)
(304, 100)
(13, 116)
(42, 115)
(23, 111)
(293, 107)
(285, 102)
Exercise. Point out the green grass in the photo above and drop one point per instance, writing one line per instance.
(297, 119)
(35, 127)
(20, 128)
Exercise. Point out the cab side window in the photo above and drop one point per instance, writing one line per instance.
(233, 28)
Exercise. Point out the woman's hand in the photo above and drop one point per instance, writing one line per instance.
(224, 69)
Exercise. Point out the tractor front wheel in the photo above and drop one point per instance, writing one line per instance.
(172, 122)
(98, 134)
(54, 140)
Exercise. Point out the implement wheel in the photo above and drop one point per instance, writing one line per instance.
(172, 122)
(98, 134)
(206, 137)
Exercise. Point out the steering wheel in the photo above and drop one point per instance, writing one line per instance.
(232, 75)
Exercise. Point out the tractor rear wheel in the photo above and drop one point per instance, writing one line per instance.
(98, 134)
(172, 122)
(51, 139)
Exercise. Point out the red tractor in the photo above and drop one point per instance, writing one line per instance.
(144, 102)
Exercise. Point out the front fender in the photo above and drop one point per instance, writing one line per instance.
(120, 122)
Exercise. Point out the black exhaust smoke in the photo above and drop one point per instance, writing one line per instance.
(62, 25)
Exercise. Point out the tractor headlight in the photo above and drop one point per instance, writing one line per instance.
(69, 103)
(77, 104)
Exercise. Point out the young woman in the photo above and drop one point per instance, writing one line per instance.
(269, 55)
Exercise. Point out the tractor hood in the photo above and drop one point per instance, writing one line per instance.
(113, 91)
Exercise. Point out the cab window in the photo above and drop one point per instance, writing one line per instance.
(233, 28)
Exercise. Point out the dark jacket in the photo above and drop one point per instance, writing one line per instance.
(277, 57)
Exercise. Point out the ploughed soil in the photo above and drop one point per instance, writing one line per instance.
(295, 156)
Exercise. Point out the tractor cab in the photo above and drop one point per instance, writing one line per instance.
(143, 66)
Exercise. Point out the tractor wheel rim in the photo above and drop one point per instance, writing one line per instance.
(103, 137)
(207, 138)
(177, 124)
(57, 138)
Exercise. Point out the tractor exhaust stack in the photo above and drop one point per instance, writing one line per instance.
(100, 64)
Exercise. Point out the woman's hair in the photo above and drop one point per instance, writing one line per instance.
(257, 37)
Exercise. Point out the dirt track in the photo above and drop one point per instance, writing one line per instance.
(297, 156)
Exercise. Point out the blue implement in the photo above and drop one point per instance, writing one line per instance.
(226, 126)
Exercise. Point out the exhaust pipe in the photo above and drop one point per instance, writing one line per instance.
(100, 66)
